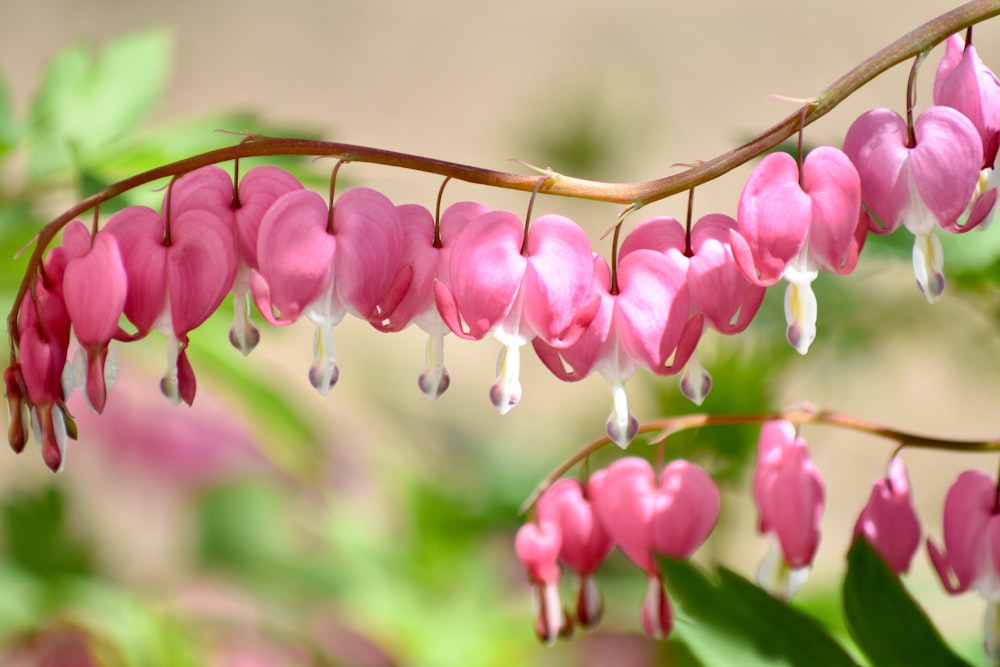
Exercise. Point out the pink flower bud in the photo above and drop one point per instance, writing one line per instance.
(888, 521)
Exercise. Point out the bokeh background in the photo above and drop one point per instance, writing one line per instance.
(271, 526)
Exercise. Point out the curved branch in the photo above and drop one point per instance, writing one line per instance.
(664, 428)
(635, 195)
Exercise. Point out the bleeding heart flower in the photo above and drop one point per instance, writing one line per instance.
(258, 190)
(719, 289)
(971, 551)
(585, 542)
(645, 517)
(888, 521)
(789, 493)
(496, 281)
(537, 547)
(964, 83)
(180, 267)
(94, 290)
(641, 321)
(791, 226)
(324, 264)
(923, 181)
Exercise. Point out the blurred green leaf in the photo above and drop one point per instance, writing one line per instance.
(37, 537)
(742, 610)
(884, 620)
(85, 103)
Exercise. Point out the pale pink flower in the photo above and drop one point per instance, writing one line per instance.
(792, 225)
(585, 541)
(924, 181)
(963, 82)
(641, 324)
(888, 521)
(494, 280)
(719, 289)
(971, 554)
(646, 516)
(324, 263)
(789, 493)
(537, 547)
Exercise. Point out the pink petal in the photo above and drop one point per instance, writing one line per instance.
(719, 289)
(537, 547)
(877, 144)
(483, 270)
(557, 279)
(201, 266)
(94, 288)
(888, 521)
(625, 502)
(773, 216)
(687, 509)
(295, 253)
(369, 253)
(832, 183)
(945, 163)
(585, 542)
(139, 231)
(259, 188)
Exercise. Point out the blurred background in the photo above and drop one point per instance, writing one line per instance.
(270, 526)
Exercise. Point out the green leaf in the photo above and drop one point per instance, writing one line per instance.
(85, 103)
(884, 620)
(744, 611)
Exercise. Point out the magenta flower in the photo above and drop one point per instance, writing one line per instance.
(672, 516)
(964, 83)
(719, 289)
(324, 264)
(258, 189)
(792, 231)
(888, 521)
(94, 291)
(180, 266)
(537, 547)
(638, 325)
(971, 553)
(585, 542)
(923, 181)
(34, 383)
(788, 490)
(496, 281)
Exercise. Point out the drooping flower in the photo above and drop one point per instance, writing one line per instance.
(888, 521)
(258, 189)
(646, 516)
(324, 263)
(537, 547)
(971, 553)
(642, 320)
(34, 383)
(719, 289)
(180, 266)
(789, 493)
(792, 225)
(94, 291)
(964, 83)
(495, 280)
(922, 180)
(585, 541)
(423, 252)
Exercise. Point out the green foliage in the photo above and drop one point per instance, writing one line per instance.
(86, 103)
(884, 620)
(743, 613)
(38, 538)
